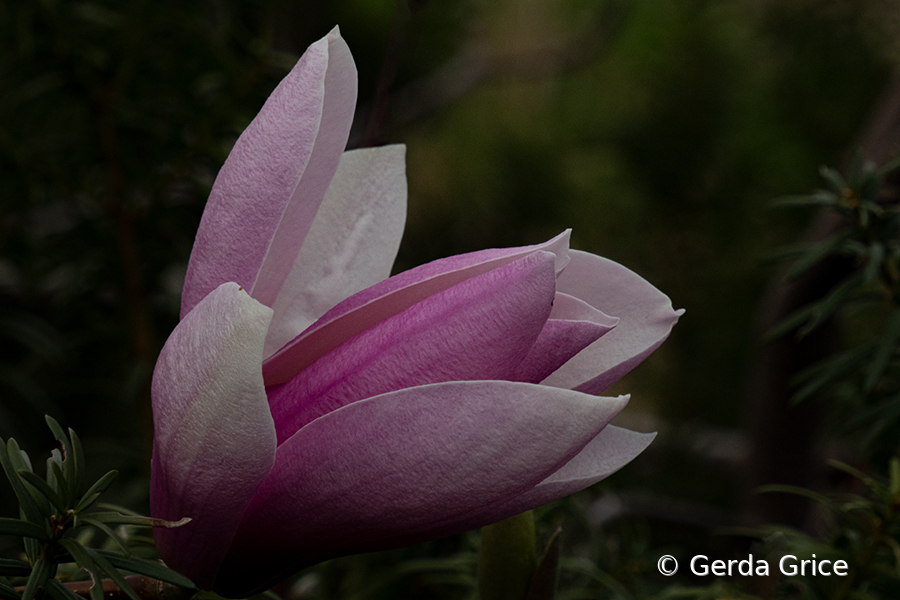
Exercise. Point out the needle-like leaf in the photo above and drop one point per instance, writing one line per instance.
(26, 501)
(41, 486)
(12, 567)
(39, 576)
(98, 488)
(24, 529)
(155, 570)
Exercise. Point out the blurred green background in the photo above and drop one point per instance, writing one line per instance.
(659, 130)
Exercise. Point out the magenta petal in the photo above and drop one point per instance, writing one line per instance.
(573, 325)
(558, 342)
(352, 243)
(269, 189)
(481, 328)
(214, 438)
(405, 464)
(645, 320)
(375, 304)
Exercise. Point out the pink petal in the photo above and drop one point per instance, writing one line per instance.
(352, 243)
(375, 304)
(403, 464)
(611, 450)
(268, 191)
(573, 325)
(645, 320)
(214, 437)
(481, 328)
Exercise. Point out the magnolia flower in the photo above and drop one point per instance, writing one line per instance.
(309, 406)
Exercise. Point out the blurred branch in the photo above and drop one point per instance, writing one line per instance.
(146, 588)
(476, 64)
(139, 320)
(880, 141)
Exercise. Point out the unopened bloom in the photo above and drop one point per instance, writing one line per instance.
(309, 406)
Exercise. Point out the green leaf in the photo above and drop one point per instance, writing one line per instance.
(817, 198)
(830, 370)
(887, 346)
(115, 537)
(8, 592)
(806, 319)
(792, 489)
(23, 529)
(32, 549)
(12, 567)
(84, 559)
(95, 490)
(833, 178)
(62, 486)
(67, 483)
(41, 486)
(789, 323)
(145, 567)
(77, 463)
(59, 434)
(840, 295)
(852, 471)
(874, 261)
(815, 254)
(40, 573)
(113, 573)
(26, 501)
(889, 167)
(86, 502)
(868, 191)
(507, 558)
(20, 462)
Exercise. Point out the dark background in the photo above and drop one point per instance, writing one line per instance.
(659, 130)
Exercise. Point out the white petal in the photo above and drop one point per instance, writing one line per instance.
(352, 243)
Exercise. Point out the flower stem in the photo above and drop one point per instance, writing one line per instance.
(507, 558)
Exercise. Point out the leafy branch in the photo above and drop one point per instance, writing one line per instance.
(54, 512)
(865, 377)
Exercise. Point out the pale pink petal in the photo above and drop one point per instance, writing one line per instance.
(608, 452)
(214, 438)
(269, 188)
(339, 104)
(614, 448)
(375, 304)
(645, 320)
(352, 243)
(406, 463)
(570, 308)
(481, 328)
